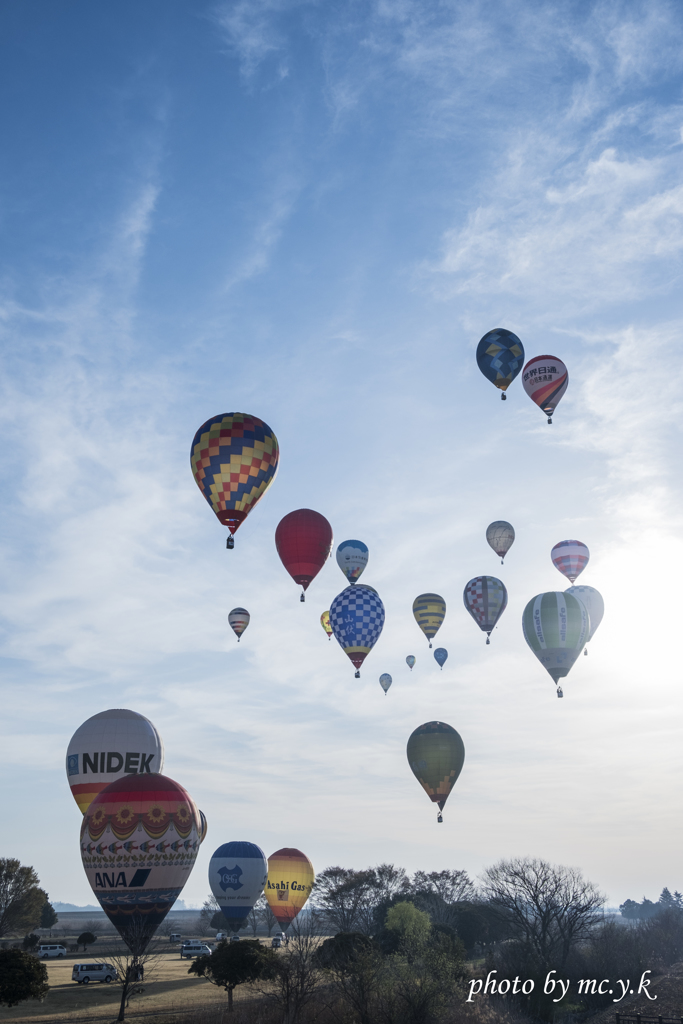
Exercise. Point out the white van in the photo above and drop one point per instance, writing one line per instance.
(175, 937)
(48, 951)
(85, 973)
(193, 948)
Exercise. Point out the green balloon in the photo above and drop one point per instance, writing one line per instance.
(556, 626)
(436, 755)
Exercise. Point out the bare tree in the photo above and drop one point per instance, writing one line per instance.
(551, 907)
(341, 894)
(267, 916)
(294, 972)
(209, 907)
(141, 958)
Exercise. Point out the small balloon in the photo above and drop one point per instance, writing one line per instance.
(352, 558)
(429, 611)
(570, 557)
(545, 380)
(500, 356)
(441, 655)
(239, 619)
(385, 682)
(500, 536)
(325, 623)
(410, 661)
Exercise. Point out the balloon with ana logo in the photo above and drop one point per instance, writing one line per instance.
(385, 682)
(357, 619)
(441, 656)
(486, 599)
(303, 540)
(429, 611)
(237, 875)
(436, 755)
(239, 619)
(410, 661)
(289, 884)
(352, 557)
(555, 627)
(500, 536)
(500, 355)
(139, 842)
(570, 557)
(234, 459)
(108, 746)
(545, 380)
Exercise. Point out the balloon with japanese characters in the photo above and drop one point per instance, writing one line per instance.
(545, 380)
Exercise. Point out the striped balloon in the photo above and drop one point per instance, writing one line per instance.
(570, 557)
(429, 611)
(239, 619)
(486, 599)
(545, 380)
(555, 627)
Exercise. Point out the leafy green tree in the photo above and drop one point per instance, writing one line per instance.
(234, 963)
(21, 898)
(48, 916)
(86, 939)
(22, 977)
(410, 924)
(30, 942)
(354, 963)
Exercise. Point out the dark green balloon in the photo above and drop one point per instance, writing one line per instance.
(436, 755)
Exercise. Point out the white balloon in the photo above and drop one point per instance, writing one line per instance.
(592, 601)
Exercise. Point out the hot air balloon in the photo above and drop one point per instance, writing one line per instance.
(486, 599)
(357, 618)
(303, 540)
(545, 380)
(441, 656)
(555, 627)
(570, 557)
(429, 611)
(410, 661)
(238, 873)
(500, 536)
(139, 841)
(203, 826)
(234, 459)
(290, 880)
(385, 682)
(592, 601)
(239, 619)
(108, 746)
(352, 557)
(325, 623)
(436, 755)
(500, 356)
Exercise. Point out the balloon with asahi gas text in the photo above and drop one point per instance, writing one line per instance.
(108, 746)
(234, 459)
(555, 627)
(139, 842)
(238, 620)
(570, 557)
(289, 884)
(238, 873)
(303, 540)
(485, 598)
(500, 356)
(545, 380)
(500, 536)
(352, 558)
(436, 755)
(429, 611)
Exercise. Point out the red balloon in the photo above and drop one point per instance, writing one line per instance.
(303, 540)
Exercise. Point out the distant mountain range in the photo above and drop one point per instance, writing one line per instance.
(71, 908)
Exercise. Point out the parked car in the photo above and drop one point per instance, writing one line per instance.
(175, 937)
(191, 949)
(220, 936)
(234, 938)
(52, 950)
(276, 941)
(85, 973)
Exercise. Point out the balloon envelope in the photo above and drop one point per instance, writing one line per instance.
(410, 661)
(570, 557)
(303, 540)
(234, 459)
(429, 611)
(500, 356)
(592, 600)
(139, 841)
(545, 380)
(237, 875)
(500, 536)
(239, 619)
(385, 681)
(108, 746)
(289, 884)
(352, 557)
(357, 619)
(436, 755)
(555, 627)
(485, 598)
(203, 826)
(441, 656)
(325, 623)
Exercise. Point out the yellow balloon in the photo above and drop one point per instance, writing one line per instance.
(290, 880)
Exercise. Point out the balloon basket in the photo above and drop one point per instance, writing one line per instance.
(488, 640)
(230, 543)
(357, 676)
(585, 651)
(430, 645)
(503, 397)
(550, 419)
(303, 597)
(439, 818)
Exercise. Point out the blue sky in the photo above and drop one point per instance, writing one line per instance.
(312, 212)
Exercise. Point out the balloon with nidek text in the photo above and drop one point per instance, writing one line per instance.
(139, 841)
(545, 380)
(289, 884)
(555, 627)
(237, 875)
(108, 746)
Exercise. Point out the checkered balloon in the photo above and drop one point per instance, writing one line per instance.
(357, 618)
